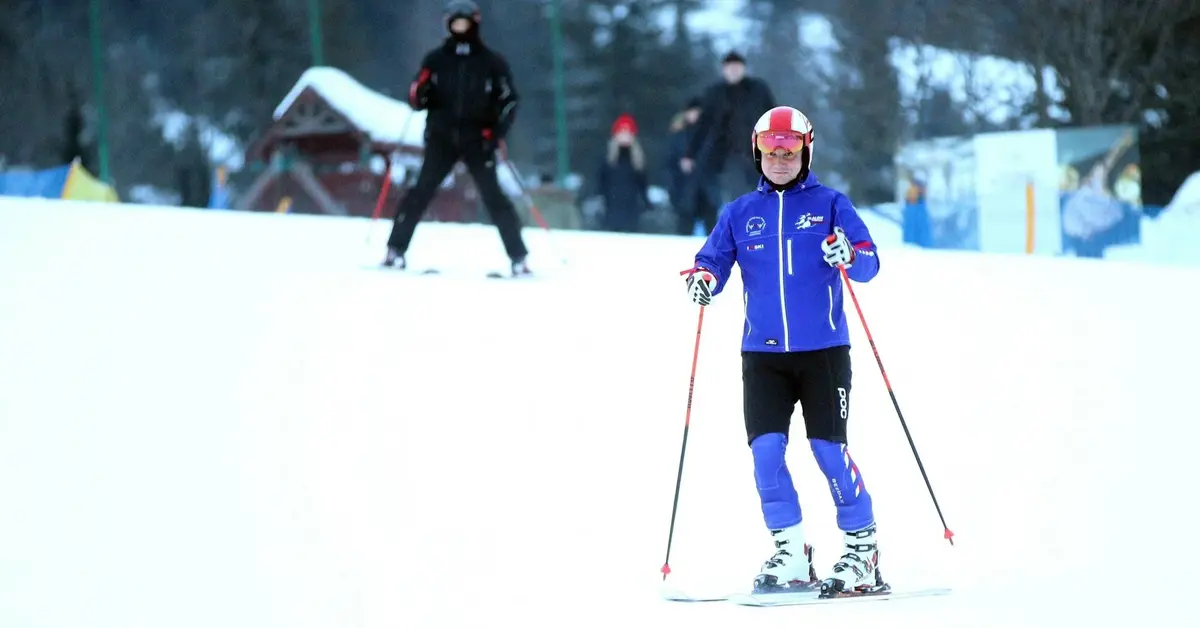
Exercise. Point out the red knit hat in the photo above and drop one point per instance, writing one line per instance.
(624, 122)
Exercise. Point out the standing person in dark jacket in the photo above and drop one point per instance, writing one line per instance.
(468, 91)
(622, 178)
(729, 108)
(694, 195)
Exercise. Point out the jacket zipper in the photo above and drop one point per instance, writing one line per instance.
(787, 345)
(462, 87)
(789, 257)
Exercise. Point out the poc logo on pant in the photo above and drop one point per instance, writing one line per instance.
(843, 402)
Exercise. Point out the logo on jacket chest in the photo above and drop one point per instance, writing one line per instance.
(755, 226)
(808, 220)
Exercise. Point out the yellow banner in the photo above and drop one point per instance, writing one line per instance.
(82, 186)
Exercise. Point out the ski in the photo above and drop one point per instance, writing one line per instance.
(814, 597)
(676, 595)
(495, 274)
(405, 271)
(415, 272)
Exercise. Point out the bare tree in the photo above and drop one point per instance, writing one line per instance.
(866, 91)
(1109, 56)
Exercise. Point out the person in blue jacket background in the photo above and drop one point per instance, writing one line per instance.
(789, 237)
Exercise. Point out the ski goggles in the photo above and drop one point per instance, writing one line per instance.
(768, 142)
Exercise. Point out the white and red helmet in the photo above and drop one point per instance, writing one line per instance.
(787, 128)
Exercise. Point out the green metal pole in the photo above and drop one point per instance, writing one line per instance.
(314, 32)
(563, 162)
(98, 84)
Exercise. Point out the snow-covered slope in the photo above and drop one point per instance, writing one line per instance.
(220, 419)
(1170, 238)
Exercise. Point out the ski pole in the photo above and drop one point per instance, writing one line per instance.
(387, 179)
(687, 422)
(846, 278)
(383, 192)
(533, 208)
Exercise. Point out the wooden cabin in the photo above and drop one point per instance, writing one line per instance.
(330, 146)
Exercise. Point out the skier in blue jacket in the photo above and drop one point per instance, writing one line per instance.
(789, 236)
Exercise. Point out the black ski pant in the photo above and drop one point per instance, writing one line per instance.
(440, 157)
(772, 384)
(701, 201)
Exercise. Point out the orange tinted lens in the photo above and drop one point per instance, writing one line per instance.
(770, 141)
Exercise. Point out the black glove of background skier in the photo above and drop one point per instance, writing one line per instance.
(491, 143)
(700, 285)
(421, 90)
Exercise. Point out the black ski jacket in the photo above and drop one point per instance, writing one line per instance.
(727, 117)
(468, 90)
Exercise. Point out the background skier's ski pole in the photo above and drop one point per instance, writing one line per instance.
(846, 278)
(387, 181)
(687, 422)
(533, 209)
(383, 192)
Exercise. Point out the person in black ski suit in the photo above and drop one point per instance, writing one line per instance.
(728, 108)
(468, 92)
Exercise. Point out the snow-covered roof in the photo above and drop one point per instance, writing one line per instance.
(384, 119)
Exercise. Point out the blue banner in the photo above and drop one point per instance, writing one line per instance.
(37, 183)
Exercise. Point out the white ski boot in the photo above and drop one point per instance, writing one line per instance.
(857, 572)
(791, 567)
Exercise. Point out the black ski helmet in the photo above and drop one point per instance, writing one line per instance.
(461, 8)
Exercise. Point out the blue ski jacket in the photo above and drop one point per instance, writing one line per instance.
(792, 297)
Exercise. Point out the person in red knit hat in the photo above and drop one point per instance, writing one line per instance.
(621, 180)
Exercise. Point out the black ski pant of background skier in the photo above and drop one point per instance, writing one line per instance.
(440, 157)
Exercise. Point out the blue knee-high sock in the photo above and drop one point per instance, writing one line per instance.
(854, 510)
(780, 504)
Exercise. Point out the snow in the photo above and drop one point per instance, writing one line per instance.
(222, 419)
(384, 119)
(1168, 238)
(885, 232)
(1187, 197)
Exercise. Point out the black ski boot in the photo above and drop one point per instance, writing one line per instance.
(521, 269)
(394, 260)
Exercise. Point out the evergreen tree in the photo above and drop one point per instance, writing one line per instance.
(800, 73)
(509, 27)
(73, 133)
(622, 59)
